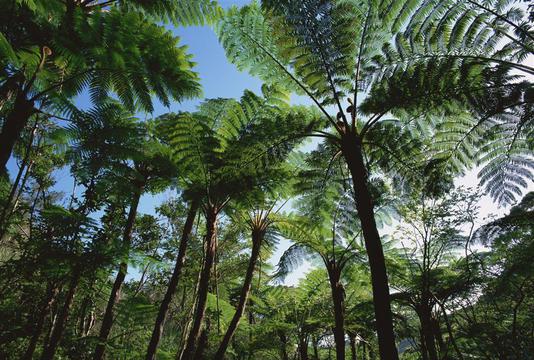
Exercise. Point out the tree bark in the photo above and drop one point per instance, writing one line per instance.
(211, 246)
(61, 322)
(173, 283)
(13, 125)
(107, 321)
(257, 239)
(351, 148)
(51, 294)
(338, 295)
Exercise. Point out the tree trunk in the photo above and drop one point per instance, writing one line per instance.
(315, 348)
(283, 345)
(211, 246)
(107, 321)
(352, 152)
(257, 239)
(15, 188)
(425, 317)
(51, 294)
(338, 294)
(424, 350)
(438, 336)
(303, 348)
(353, 354)
(13, 125)
(61, 321)
(203, 341)
(173, 283)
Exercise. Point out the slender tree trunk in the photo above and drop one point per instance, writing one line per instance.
(352, 339)
(61, 321)
(51, 294)
(352, 152)
(211, 247)
(13, 125)
(107, 321)
(257, 239)
(449, 330)
(315, 348)
(173, 283)
(338, 294)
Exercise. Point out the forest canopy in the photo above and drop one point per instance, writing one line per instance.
(381, 135)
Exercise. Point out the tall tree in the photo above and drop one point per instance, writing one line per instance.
(329, 50)
(225, 147)
(150, 169)
(258, 222)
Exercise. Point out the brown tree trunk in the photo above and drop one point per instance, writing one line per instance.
(13, 125)
(51, 294)
(211, 247)
(173, 283)
(61, 321)
(303, 348)
(107, 321)
(338, 295)
(203, 341)
(352, 152)
(257, 239)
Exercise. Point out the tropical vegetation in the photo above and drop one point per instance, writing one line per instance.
(382, 132)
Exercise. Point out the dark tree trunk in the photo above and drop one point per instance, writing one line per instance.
(257, 238)
(107, 321)
(352, 339)
(283, 345)
(352, 152)
(211, 247)
(51, 294)
(428, 341)
(203, 341)
(424, 350)
(173, 283)
(13, 125)
(303, 347)
(15, 188)
(338, 295)
(436, 330)
(61, 321)
(315, 348)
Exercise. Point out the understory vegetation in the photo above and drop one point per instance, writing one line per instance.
(363, 182)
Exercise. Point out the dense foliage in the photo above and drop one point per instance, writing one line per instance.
(404, 98)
